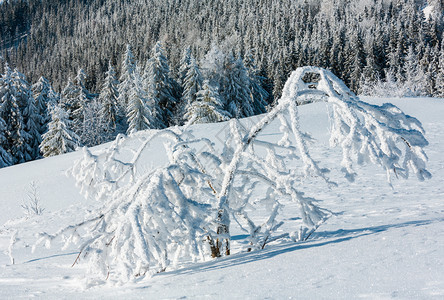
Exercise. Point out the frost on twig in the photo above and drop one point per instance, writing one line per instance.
(32, 206)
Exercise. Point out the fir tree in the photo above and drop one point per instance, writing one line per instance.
(192, 82)
(31, 118)
(96, 127)
(207, 108)
(11, 114)
(235, 89)
(126, 79)
(139, 113)
(5, 158)
(60, 138)
(32, 126)
(109, 97)
(45, 97)
(411, 73)
(184, 65)
(230, 76)
(257, 91)
(440, 75)
(69, 98)
(160, 86)
(81, 99)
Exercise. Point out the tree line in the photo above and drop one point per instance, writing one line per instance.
(362, 42)
(37, 121)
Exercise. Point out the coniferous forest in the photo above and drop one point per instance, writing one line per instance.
(79, 72)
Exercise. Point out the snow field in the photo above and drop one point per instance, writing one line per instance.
(383, 242)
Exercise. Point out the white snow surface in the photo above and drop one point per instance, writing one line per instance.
(382, 243)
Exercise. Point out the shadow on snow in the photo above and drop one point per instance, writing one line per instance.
(320, 239)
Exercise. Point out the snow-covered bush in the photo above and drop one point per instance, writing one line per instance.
(151, 219)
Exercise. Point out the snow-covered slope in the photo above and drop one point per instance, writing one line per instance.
(383, 242)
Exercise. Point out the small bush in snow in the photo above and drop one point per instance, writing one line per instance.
(32, 205)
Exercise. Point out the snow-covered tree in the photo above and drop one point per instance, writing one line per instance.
(109, 98)
(82, 98)
(68, 94)
(229, 75)
(128, 67)
(31, 117)
(75, 98)
(11, 113)
(160, 86)
(59, 138)
(139, 112)
(440, 75)
(207, 108)
(150, 222)
(257, 91)
(5, 158)
(192, 82)
(236, 89)
(45, 97)
(96, 127)
(184, 65)
(412, 75)
(32, 128)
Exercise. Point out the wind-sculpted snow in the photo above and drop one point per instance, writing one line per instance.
(154, 219)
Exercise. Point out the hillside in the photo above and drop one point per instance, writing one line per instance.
(382, 242)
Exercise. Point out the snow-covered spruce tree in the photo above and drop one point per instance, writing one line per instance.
(229, 75)
(184, 65)
(109, 98)
(192, 83)
(96, 127)
(32, 128)
(207, 108)
(45, 97)
(160, 87)
(150, 222)
(140, 107)
(80, 101)
(128, 67)
(440, 75)
(257, 92)
(74, 98)
(11, 113)
(68, 97)
(5, 157)
(31, 118)
(412, 83)
(59, 138)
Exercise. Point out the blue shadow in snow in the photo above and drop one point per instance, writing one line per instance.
(328, 238)
(48, 257)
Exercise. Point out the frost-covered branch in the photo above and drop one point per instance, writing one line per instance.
(152, 219)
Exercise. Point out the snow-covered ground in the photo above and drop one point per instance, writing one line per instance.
(383, 242)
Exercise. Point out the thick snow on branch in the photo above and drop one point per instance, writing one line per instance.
(382, 134)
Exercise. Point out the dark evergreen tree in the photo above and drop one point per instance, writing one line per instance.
(45, 97)
(109, 98)
(5, 158)
(160, 86)
(11, 114)
(139, 111)
(126, 79)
